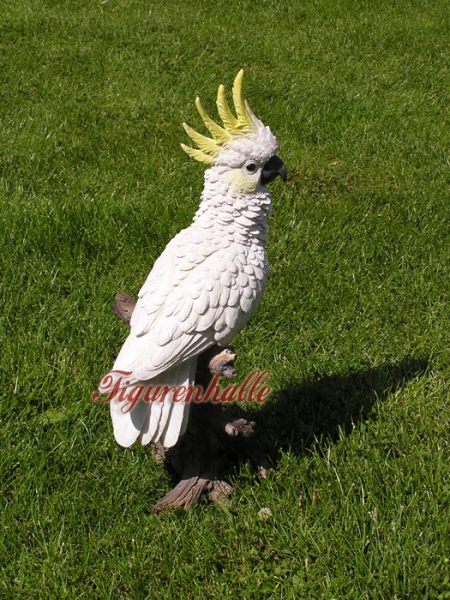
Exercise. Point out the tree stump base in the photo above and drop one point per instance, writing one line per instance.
(198, 458)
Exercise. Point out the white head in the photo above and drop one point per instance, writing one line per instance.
(244, 145)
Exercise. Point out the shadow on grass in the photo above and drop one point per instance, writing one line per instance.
(302, 413)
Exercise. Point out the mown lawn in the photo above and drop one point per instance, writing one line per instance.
(354, 325)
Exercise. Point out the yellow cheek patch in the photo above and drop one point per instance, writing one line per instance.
(243, 184)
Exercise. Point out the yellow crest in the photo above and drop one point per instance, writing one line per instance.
(233, 127)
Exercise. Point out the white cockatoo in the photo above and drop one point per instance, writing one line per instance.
(209, 280)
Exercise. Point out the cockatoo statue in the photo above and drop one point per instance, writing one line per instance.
(209, 280)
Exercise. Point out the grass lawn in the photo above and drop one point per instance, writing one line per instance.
(354, 326)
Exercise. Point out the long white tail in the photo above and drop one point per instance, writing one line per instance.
(154, 421)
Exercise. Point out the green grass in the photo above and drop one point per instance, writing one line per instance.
(354, 324)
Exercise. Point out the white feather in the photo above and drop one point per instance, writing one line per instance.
(202, 290)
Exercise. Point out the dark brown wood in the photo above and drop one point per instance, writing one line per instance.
(198, 458)
(124, 307)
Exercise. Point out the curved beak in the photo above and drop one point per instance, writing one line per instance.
(273, 167)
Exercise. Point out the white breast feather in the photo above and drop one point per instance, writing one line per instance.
(202, 290)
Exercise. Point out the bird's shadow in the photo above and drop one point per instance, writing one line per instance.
(320, 409)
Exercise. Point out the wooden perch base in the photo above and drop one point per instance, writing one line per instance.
(197, 459)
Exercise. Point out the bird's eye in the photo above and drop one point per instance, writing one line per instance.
(251, 167)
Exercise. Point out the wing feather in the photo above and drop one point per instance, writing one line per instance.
(196, 295)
